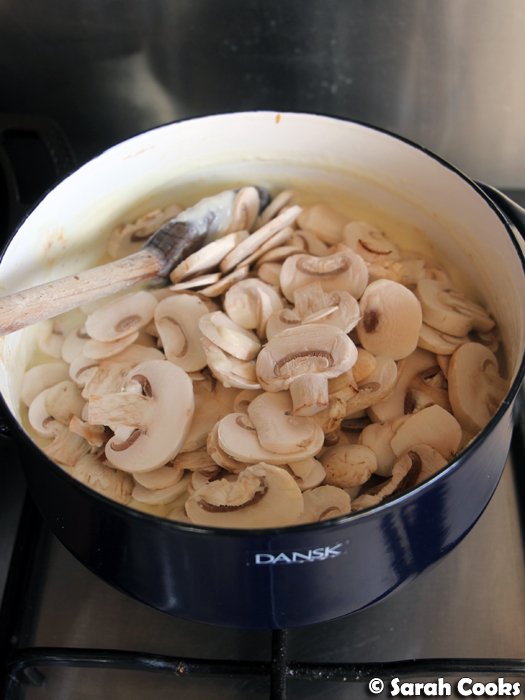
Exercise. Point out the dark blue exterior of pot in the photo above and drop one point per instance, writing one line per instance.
(272, 578)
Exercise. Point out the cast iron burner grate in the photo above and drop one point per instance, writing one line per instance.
(20, 136)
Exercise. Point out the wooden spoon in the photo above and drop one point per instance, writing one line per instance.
(173, 242)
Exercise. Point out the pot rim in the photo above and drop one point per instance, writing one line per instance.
(325, 525)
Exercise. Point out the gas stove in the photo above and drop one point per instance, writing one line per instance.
(67, 634)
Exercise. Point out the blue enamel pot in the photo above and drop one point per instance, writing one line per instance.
(287, 577)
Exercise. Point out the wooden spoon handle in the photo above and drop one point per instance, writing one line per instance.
(53, 298)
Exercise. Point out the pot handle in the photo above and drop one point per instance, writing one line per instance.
(34, 156)
(514, 213)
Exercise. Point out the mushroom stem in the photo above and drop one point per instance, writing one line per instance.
(309, 394)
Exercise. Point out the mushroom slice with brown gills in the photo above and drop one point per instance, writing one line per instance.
(369, 242)
(303, 359)
(324, 503)
(344, 271)
(177, 320)
(431, 426)
(427, 388)
(237, 437)
(82, 370)
(111, 483)
(444, 307)
(245, 209)
(101, 350)
(212, 401)
(250, 303)
(339, 309)
(391, 320)
(229, 336)
(475, 386)
(244, 398)
(425, 460)
(202, 477)
(129, 238)
(121, 317)
(277, 429)
(42, 377)
(228, 369)
(281, 321)
(250, 245)
(326, 223)
(348, 465)
(439, 342)
(310, 243)
(262, 496)
(207, 258)
(169, 392)
(63, 401)
(73, 343)
(394, 406)
(376, 387)
(161, 496)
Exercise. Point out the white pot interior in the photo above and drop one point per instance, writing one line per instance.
(430, 207)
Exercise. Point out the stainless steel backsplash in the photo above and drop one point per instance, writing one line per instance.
(448, 74)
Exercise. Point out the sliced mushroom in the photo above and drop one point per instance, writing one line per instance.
(109, 482)
(376, 387)
(250, 303)
(67, 448)
(283, 199)
(427, 388)
(169, 392)
(275, 241)
(391, 320)
(228, 369)
(270, 273)
(42, 377)
(394, 406)
(439, 342)
(203, 477)
(323, 221)
(314, 478)
(281, 321)
(192, 461)
(244, 398)
(63, 401)
(222, 286)
(378, 436)
(213, 400)
(444, 307)
(475, 386)
(208, 257)
(101, 350)
(177, 320)
(237, 437)
(229, 336)
(404, 476)
(121, 317)
(369, 242)
(324, 503)
(39, 417)
(348, 465)
(129, 238)
(219, 456)
(74, 342)
(250, 245)
(96, 435)
(122, 409)
(262, 496)
(330, 418)
(161, 496)
(339, 309)
(51, 338)
(344, 271)
(424, 460)
(310, 243)
(202, 282)
(432, 426)
(303, 359)
(277, 429)
(245, 209)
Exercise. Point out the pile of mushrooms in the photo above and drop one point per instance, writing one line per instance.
(300, 367)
